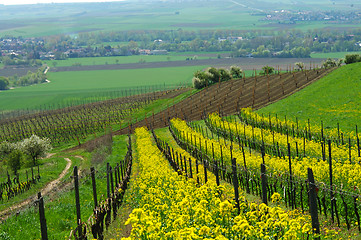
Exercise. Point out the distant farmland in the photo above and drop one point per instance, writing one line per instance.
(244, 63)
(88, 86)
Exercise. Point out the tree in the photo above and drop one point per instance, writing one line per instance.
(198, 83)
(236, 72)
(4, 82)
(267, 70)
(330, 63)
(300, 65)
(35, 147)
(14, 160)
(224, 75)
(6, 148)
(214, 75)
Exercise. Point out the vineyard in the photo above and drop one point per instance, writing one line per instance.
(75, 123)
(230, 96)
(170, 206)
(217, 157)
(240, 176)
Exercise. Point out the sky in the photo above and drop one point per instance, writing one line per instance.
(16, 2)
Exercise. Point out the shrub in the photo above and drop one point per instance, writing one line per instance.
(267, 70)
(210, 76)
(236, 72)
(300, 65)
(14, 160)
(352, 58)
(329, 63)
(198, 83)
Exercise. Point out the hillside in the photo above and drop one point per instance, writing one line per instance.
(333, 99)
(228, 97)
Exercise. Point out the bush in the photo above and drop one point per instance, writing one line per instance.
(210, 76)
(6, 148)
(4, 82)
(329, 63)
(224, 75)
(300, 65)
(236, 72)
(352, 58)
(214, 75)
(267, 70)
(14, 160)
(198, 83)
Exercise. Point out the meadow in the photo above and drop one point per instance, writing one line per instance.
(333, 99)
(89, 86)
(332, 54)
(89, 61)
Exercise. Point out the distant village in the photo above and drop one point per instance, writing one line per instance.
(291, 17)
(31, 51)
(33, 48)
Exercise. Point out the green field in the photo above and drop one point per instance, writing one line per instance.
(333, 99)
(91, 86)
(45, 20)
(127, 15)
(332, 55)
(118, 60)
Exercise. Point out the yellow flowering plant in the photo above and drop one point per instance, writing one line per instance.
(173, 207)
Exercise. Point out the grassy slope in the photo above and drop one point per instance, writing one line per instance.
(60, 212)
(334, 98)
(80, 85)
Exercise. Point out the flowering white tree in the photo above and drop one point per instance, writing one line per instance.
(35, 147)
(300, 65)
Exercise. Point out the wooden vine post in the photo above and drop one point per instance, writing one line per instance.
(313, 203)
(77, 201)
(44, 230)
(264, 184)
(235, 183)
(92, 173)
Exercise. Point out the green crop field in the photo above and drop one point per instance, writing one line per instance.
(117, 60)
(84, 85)
(332, 55)
(42, 20)
(333, 99)
(68, 19)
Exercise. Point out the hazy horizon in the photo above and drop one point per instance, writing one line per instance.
(23, 2)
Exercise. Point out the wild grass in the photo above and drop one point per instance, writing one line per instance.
(332, 99)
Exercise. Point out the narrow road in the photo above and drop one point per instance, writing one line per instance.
(48, 188)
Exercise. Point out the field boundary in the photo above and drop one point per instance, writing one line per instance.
(245, 63)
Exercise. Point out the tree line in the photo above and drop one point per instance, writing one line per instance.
(30, 78)
(257, 43)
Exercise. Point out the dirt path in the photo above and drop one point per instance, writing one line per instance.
(50, 186)
(47, 189)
